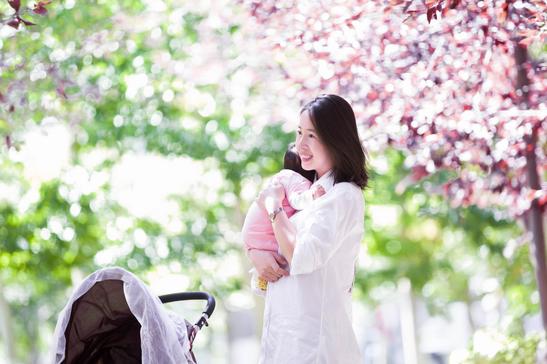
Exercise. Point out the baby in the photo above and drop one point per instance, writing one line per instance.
(257, 230)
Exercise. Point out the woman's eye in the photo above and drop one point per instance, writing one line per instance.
(299, 132)
(311, 136)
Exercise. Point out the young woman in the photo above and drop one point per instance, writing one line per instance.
(307, 318)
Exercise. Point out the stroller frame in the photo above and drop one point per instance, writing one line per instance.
(192, 296)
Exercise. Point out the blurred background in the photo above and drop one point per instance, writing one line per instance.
(136, 133)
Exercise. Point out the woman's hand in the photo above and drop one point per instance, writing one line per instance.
(270, 198)
(267, 264)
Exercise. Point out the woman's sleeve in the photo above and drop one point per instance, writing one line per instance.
(300, 200)
(320, 235)
(298, 191)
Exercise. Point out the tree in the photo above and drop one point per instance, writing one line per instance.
(181, 84)
(417, 235)
(174, 86)
(459, 94)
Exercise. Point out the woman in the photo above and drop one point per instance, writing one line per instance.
(307, 318)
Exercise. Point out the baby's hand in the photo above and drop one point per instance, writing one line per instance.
(319, 191)
(271, 197)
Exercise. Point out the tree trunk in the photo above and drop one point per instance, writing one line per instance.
(408, 323)
(534, 215)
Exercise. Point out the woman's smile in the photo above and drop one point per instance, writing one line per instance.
(305, 157)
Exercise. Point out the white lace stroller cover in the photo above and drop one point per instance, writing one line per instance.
(164, 337)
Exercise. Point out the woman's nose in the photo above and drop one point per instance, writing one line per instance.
(300, 142)
(300, 147)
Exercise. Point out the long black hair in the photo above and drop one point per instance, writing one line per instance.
(335, 124)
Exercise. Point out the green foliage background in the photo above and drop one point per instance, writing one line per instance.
(88, 51)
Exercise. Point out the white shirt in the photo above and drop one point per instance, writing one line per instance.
(307, 317)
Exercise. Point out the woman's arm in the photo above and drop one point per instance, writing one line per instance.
(284, 231)
(285, 234)
(334, 216)
(267, 264)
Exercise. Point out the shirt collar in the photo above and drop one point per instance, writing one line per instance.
(326, 181)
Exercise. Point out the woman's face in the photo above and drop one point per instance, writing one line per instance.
(310, 148)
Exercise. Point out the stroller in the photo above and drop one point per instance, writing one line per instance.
(113, 318)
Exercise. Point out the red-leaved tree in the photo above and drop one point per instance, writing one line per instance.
(450, 83)
(19, 14)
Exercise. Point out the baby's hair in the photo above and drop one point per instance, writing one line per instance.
(292, 161)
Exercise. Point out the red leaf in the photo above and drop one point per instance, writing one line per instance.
(502, 164)
(431, 13)
(499, 188)
(26, 22)
(445, 11)
(411, 14)
(498, 42)
(451, 4)
(40, 7)
(372, 95)
(15, 4)
(418, 172)
(357, 16)
(14, 23)
(40, 10)
(504, 12)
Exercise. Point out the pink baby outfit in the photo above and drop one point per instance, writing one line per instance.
(257, 230)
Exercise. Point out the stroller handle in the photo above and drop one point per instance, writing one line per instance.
(190, 296)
